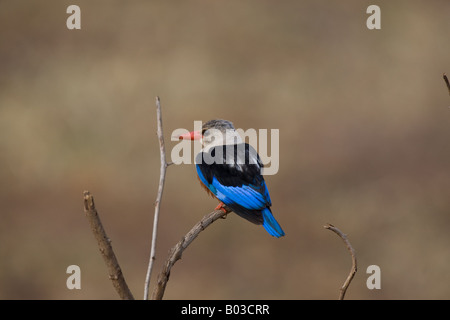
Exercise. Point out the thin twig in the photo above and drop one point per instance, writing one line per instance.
(162, 178)
(176, 252)
(104, 244)
(353, 270)
(446, 82)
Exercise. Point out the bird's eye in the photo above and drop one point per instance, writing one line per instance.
(206, 132)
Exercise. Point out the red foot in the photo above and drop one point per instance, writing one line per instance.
(221, 207)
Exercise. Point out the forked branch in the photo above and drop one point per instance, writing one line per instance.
(162, 178)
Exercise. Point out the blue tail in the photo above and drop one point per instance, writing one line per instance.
(271, 225)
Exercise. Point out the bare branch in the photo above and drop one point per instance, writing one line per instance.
(353, 270)
(176, 252)
(104, 244)
(162, 177)
(446, 82)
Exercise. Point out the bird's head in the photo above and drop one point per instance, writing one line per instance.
(214, 133)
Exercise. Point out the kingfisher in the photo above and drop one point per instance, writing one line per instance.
(230, 170)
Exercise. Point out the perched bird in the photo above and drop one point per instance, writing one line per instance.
(230, 170)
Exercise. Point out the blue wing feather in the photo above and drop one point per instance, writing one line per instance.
(245, 196)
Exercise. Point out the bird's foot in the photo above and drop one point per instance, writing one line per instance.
(221, 206)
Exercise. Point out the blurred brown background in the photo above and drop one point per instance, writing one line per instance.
(364, 125)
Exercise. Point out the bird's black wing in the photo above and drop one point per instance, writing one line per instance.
(233, 174)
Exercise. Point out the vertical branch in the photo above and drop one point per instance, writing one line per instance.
(104, 244)
(162, 177)
(353, 270)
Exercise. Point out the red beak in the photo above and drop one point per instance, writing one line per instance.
(194, 135)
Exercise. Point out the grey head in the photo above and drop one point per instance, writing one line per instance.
(218, 132)
(218, 124)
